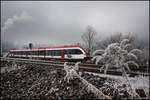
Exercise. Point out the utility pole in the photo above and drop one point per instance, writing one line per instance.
(30, 47)
(1, 46)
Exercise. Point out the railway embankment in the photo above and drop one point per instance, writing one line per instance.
(42, 81)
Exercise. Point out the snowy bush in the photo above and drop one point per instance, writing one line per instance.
(118, 55)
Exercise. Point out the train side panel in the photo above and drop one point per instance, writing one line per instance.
(74, 52)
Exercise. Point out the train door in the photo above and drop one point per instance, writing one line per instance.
(26, 53)
(63, 54)
(13, 54)
(44, 53)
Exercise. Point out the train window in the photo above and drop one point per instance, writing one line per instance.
(36, 52)
(49, 52)
(33, 52)
(15, 53)
(43, 52)
(22, 52)
(66, 51)
(25, 52)
(18, 53)
(57, 52)
(11, 53)
(77, 51)
(73, 51)
(52, 53)
(29, 53)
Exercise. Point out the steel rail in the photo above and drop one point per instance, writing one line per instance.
(82, 66)
(133, 68)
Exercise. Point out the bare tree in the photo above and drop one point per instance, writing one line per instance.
(116, 38)
(89, 38)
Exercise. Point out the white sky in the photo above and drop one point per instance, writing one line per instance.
(63, 22)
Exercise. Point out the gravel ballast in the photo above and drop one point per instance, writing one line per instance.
(45, 82)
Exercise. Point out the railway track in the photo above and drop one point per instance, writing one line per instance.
(82, 66)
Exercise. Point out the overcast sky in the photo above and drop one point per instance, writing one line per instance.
(63, 22)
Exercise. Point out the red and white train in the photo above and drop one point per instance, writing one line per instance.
(75, 52)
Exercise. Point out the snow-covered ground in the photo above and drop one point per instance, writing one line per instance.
(10, 68)
(138, 82)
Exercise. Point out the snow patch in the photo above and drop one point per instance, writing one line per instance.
(138, 82)
(10, 68)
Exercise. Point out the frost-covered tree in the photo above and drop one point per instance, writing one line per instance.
(120, 56)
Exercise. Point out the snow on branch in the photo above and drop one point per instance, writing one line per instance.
(94, 90)
(98, 52)
(132, 62)
(71, 73)
(124, 42)
(136, 51)
(127, 46)
(132, 55)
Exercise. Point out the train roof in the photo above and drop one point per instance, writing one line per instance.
(73, 46)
